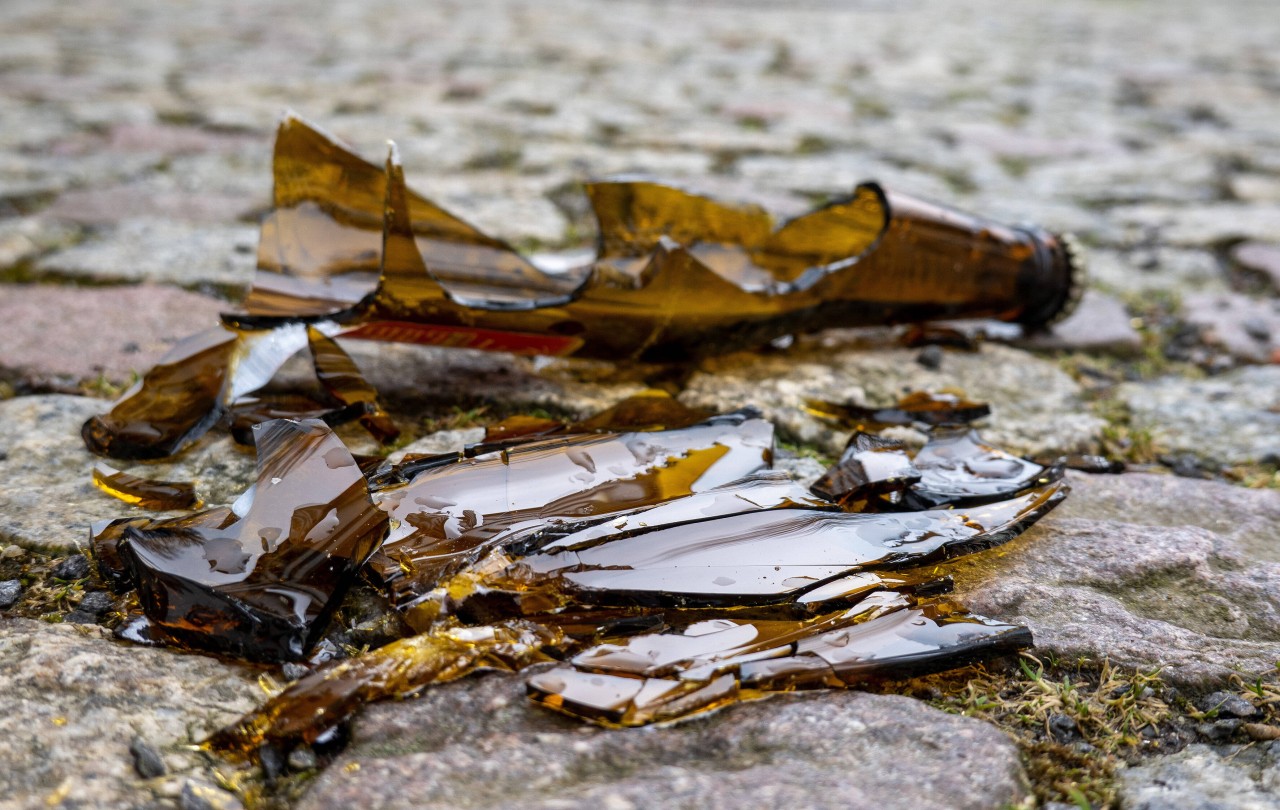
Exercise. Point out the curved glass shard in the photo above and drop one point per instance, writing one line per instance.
(320, 250)
(261, 587)
(448, 515)
(958, 468)
(317, 702)
(343, 381)
(149, 494)
(916, 408)
(172, 405)
(772, 556)
(869, 469)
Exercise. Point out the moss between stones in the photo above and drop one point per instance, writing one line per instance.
(1077, 724)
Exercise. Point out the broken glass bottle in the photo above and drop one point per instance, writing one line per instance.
(350, 250)
(728, 585)
(676, 275)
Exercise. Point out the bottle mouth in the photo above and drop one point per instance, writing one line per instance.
(1056, 284)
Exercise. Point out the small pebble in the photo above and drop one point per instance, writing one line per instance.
(74, 567)
(1228, 705)
(194, 797)
(930, 357)
(10, 590)
(1257, 329)
(12, 551)
(91, 608)
(293, 672)
(302, 759)
(1063, 729)
(146, 760)
(1219, 730)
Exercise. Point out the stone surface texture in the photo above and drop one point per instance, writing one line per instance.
(135, 162)
(72, 702)
(1147, 571)
(479, 744)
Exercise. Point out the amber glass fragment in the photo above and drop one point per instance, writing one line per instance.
(329, 695)
(648, 410)
(868, 468)
(959, 469)
(247, 412)
(158, 495)
(706, 665)
(341, 377)
(173, 404)
(764, 557)
(449, 514)
(105, 537)
(261, 587)
(676, 274)
(1084, 462)
(916, 408)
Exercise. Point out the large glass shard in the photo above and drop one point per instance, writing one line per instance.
(173, 404)
(105, 537)
(869, 468)
(341, 377)
(916, 408)
(764, 557)
(319, 701)
(261, 587)
(709, 664)
(959, 469)
(447, 515)
(320, 248)
(149, 494)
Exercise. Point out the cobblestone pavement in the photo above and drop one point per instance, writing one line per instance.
(134, 165)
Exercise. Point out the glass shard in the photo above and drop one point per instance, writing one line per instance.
(321, 700)
(869, 468)
(158, 495)
(648, 410)
(261, 586)
(959, 469)
(449, 514)
(105, 537)
(773, 556)
(172, 405)
(706, 665)
(341, 377)
(916, 408)
(247, 412)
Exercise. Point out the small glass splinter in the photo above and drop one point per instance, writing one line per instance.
(918, 407)
(158, 495)
(262, 586)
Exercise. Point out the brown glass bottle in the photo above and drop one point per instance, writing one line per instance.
(676, 275)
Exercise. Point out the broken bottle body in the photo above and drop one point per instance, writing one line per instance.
(676, 275)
